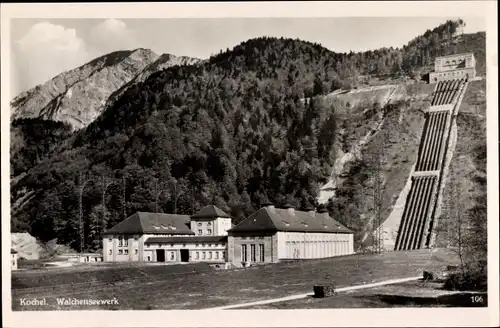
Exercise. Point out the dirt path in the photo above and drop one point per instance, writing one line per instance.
(299, 296)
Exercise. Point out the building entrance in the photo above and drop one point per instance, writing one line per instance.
(160, 255)
(184, 255)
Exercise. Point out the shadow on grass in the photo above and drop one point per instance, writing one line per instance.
(462, 299)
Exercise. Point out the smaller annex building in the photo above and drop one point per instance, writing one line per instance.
(272, 234)
(160, 237)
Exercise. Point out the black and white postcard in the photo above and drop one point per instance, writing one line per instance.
(215, 164)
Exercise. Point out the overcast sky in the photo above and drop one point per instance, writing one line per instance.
(43, 48)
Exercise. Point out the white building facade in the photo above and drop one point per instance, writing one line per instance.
(271, 234)
(159, 237)
(453, 67)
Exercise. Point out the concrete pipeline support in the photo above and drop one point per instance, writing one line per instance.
(424, 198)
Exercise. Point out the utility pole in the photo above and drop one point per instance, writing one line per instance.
(105, 185)
(82, 184)
(124, 201)
(176, 196)
(157, 195)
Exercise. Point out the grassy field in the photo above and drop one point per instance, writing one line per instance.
(156, 287)
(409, 294)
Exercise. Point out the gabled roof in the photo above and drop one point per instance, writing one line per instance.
(210, 211)
(187, 239)
(153, 223)
(275, 219)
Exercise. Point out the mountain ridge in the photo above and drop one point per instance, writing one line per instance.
(78, 96)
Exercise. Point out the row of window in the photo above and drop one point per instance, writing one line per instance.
(329, 237)
(208, 255)
(253, 255)
(252, 237)
(123, 252)
(122, 240)
(200, 232)
(208, 224)
(184, 245)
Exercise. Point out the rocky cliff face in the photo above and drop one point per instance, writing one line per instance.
(77, 96)
(163, 62)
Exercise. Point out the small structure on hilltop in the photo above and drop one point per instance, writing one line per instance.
(272, 234)
(13, 259)
(453, 67)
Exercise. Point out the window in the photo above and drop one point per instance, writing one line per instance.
(244, 253)
(209, 255)
(197, 255)
(135, 238)
(126, 242)
(261, 252)
(125, 251)
(209, 223)
(209, 231)
(203, 255)
(110, 239)
(202, 245)
(120, 241)
(223, 256)
(120, 252)
(216, 255)
(110, 252)
(136, 251)
(172, 256)
(252, 252)
(200, 232)
(199, 223)
(149, 258)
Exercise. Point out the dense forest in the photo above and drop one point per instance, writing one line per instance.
(243, 128)
(33, 139)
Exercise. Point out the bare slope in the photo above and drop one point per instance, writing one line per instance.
(468, 165)
(76, 96)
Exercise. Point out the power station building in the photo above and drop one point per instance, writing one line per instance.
(267, 236)
(453, 67)
(160, 237)
(272, 234)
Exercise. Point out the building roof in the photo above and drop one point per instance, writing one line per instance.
(276, 219)
(181, 239)
(210, 211)
(456, 55)
(153, 223)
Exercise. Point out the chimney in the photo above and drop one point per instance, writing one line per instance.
(290, 209)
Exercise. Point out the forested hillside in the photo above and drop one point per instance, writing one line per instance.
(233, 131)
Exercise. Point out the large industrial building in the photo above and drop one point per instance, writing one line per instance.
(269, 235)
(453, 67)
